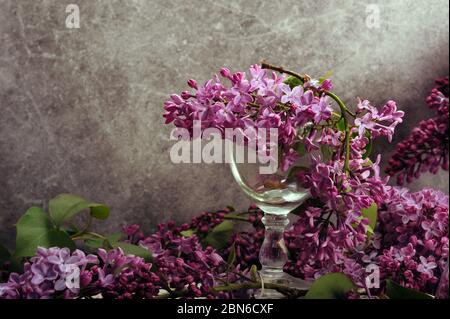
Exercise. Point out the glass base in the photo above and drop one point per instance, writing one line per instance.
(274, 276)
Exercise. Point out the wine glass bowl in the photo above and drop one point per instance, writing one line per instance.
(276, 193)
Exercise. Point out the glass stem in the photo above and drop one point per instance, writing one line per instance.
(273, 253)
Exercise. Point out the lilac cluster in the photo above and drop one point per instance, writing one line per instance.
(427, 148)
(121, 276)
(247, 246)
(349, 181)
(330, 182)
(410, 243)
(203, 223)
(182, 264)
(261, 100)
(46, 275)
(321, 241)
(412, 238)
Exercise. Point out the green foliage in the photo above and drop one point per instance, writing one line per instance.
(339, 120)
(395, 291)
(130, 249)
(63, 207)
(301, 149)
(330, 286)
(232, 256)
(36, 228)
(219, 235)
(187, 233)
(371, 213)
(95, 242)
(293, 81)
(114, 241)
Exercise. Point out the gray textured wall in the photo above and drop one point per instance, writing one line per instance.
(80, 110)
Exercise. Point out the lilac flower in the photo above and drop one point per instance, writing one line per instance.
(331, 137)
(293, 96)
(426, 267)
(269, 119)
(378, 123)
(321, 109)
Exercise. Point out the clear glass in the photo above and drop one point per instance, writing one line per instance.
(276, 195)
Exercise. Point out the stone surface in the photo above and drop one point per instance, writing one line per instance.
(81, 108)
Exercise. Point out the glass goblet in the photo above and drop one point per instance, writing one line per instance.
(276, 194)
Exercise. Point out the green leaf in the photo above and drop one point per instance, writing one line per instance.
(70, 229)
(63, 207)
(341, 125)
(232, 256)
(293, 81)
(96, 243)
(219, 235)
(187, 233)
(130, 249)
(34, 229)
(114, 237)
(395, 291)
(340, 122)
(330, 286)
(301, 149)
(371, 213)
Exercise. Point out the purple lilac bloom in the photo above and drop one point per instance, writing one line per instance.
(45, 274)
(427, 148)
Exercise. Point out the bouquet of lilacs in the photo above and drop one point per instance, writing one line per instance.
(353, 219)
(342, 177)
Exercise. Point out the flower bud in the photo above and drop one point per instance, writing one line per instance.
(177, 99)
(185, 95)
(193, 84)
(327, 85)
(225, 73)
